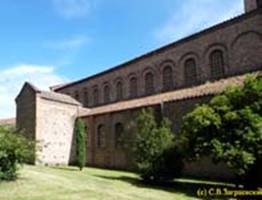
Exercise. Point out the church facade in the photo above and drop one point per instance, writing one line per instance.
(172, 80)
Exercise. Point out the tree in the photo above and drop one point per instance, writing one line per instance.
(15, 150)
(80, 144)
(229, 129)
(152, 148)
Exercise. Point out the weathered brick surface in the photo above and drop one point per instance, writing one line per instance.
(240, 40)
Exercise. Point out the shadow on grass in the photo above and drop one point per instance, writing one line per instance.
(66, 168)
(186, 187)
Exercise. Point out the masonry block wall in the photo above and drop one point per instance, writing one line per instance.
(238, 39)
(55, 132)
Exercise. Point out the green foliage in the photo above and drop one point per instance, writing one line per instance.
(229, 129)
(14, 151)
(80, 144)
(152, 148)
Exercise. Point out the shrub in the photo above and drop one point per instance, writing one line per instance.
(14, 151)
(80, 144)
(229, 129)
(153, 151)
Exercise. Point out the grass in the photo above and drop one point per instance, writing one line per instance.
(68, 183)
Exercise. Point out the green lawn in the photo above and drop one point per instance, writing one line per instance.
(46, 183)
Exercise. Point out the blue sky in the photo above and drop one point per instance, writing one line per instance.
(48, 42)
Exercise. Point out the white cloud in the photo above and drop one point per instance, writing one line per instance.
(196, 15)
(71, 9)
(74, 42)
(13, 78)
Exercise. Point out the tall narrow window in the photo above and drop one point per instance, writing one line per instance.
(106, 94)
(119, 91)
(167, 78)
(149, 83)
(85, 93)
(77, 95)
(133, 87)
(217, 64)
(101, 136)
(95, 97)
(190, 72)
(119, 131)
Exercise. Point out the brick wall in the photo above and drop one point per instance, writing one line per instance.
(239, 39)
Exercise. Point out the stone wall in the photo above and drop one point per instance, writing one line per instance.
(55, 131)
(26, 112)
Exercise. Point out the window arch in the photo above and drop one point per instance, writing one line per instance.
(167, 78)
(106, 94)
(119, 131)
(101, 136)
(85, 93)
(149, 83)
(217, 64)
(95, 97)
(133, 87)
(119, 90)
(190, 71)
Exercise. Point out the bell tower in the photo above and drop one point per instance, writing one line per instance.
(252, 5)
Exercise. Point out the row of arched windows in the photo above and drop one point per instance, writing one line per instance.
(216, 59)
(101, 139)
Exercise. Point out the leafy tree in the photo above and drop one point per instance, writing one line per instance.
(80, 144)
(152, 148)
(15, 150)
(229, 129)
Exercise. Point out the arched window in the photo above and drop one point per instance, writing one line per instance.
(119, 131)
(217, 64)
(77, 95)
(85, 94)
(190, 72)
(95, 97)
(149, 83)
(167, 78)
(106, 94)
(101, 136)
(119, 90)
(133, 87)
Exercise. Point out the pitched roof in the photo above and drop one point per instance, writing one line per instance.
(209, 88)
(59, 97)
(7, 121)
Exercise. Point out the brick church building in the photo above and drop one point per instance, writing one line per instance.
(171, 79)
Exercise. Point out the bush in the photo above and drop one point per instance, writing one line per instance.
(153, 151)
(80, 144)
(229, 129)
(14, 151)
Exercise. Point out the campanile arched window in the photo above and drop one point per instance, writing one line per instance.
(190, 71)
(133, 87)
(119, 91)
(149, 83)
(106, 94)
(101, 136)
(167, 78)
(95, 97)
(217, 64)
(119, 131)
(85, 94)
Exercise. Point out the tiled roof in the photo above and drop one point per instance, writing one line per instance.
(58, 97)
(209, 88)
(8, 121)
